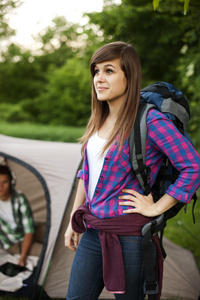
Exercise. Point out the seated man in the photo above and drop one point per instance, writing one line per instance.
(16, 221)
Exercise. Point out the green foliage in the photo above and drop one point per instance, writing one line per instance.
(14, 113)
(156, 4)
(20, 77)
(189, 70)
(182, 231)
(156, 36)
(67, 96)
(186, 4)
(60, 34)
(52, 86)
(5, 8)
(167, 42)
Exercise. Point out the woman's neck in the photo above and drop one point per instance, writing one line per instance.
(107, 127)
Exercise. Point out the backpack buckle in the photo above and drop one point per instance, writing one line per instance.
(150, 288)
(152, 225)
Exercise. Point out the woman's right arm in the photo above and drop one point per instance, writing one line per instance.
(71, 237)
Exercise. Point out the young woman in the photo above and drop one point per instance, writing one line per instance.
(109, 198)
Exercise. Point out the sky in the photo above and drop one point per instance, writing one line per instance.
(34, 15)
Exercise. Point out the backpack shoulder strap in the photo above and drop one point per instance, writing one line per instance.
(137, 144)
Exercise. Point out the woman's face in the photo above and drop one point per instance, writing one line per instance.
(110, 81)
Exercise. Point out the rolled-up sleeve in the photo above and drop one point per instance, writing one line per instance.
(80, 174)
(167, 139)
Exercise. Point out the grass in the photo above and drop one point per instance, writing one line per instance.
(42, 132)
(182, 231)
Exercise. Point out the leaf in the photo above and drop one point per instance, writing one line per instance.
(186, 5)
(155, 4)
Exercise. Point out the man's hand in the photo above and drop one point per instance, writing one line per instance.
(22, 261)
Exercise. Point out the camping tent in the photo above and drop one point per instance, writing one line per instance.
(46, 173)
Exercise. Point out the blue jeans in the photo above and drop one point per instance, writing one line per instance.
(86, 278)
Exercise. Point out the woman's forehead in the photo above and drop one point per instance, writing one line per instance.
(113, 63)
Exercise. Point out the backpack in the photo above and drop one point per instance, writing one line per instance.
(170, 101)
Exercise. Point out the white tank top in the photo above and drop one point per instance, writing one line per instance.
(95, 161)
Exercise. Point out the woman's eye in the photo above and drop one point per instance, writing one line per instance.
(109, 71)
(96, 72)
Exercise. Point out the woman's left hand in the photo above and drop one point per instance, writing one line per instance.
(141, 204)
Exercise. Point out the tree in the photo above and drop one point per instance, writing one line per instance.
(167, 41)
(6, 7)
(156, 4)
(188, 63)
(66, 99)
(62, 40)
(156, 37)
(53, 84)
(20, 76)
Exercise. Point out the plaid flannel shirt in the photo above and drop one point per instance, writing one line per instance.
(162, 139)
(23, 218)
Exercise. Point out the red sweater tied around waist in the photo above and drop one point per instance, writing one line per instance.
(109, 229)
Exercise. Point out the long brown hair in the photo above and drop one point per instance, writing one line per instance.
(130, 65)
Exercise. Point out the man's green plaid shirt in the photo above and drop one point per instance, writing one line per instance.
(24, 220)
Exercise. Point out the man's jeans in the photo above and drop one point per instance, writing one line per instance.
(86, 279)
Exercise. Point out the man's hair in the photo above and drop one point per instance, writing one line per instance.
(5, 170)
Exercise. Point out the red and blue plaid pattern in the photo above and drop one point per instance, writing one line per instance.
(162, 139)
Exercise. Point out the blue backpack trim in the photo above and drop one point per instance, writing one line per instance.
(169, 100)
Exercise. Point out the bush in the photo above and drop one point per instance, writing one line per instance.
(14, 113)
(67, 98)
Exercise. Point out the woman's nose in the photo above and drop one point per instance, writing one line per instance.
(100, 77)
